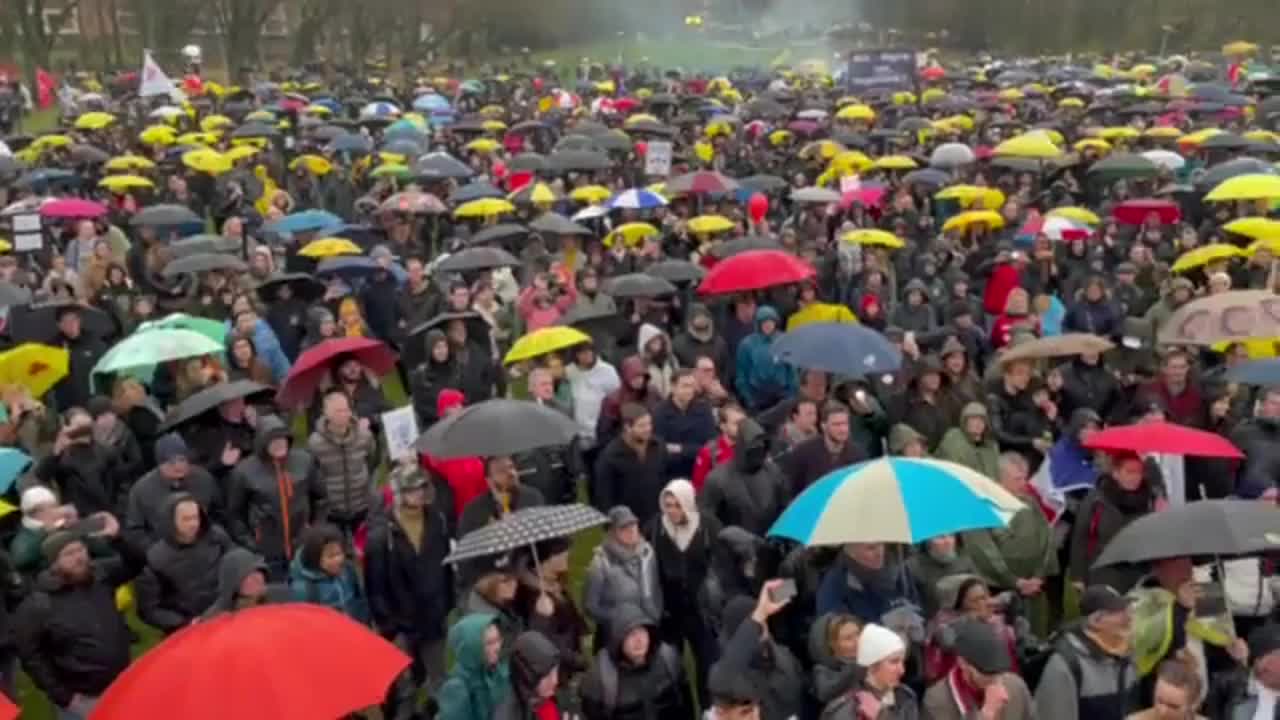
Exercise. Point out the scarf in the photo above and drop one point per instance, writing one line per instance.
(413, 523)
(1114, 648)
(1135, 502)
(968, 698)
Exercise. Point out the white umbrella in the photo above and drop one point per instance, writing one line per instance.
(1166, 159)
(951, 155)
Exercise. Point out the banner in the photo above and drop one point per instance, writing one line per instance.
(881, 70)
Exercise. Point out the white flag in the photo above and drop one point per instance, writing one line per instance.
(154, 81)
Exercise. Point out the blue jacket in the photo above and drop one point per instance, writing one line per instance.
(343, 593)
(840, 593)
(268, 348)
(1099, 318)
(761, 380)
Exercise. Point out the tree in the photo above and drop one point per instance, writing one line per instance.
(239, 23)
(35, 37)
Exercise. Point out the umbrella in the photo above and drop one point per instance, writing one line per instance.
(1165, 438)
(152, 347)
(636, 199)
(478, 258)
(1234, 316)
(555, 224)
(703, 182)
(213, 396)
(1262, 371)
(535, 193)
(841, 348)
(1122, 166)
(483, 208)
(743, 244)
(762, 183)
(874, 238)
(964, 220)
(329, 247)
(929, 177)
(951, 155)
(1201, 256)
(13, 463)
(313, 366)
(303, 286)
(411, 201)
(304, 221)
(1056, 346)
(634, 285)
(1241, 187)
(529, 162)
(72, 209)
(203, 262)
(34, 366)
(815, 195)
(498, 427)
(350, 143)
(896, 500)
(1166, 159)
(39, 322)
(543, 342)
(285, 661)
(441, 166)
(1207, 528)
(581, 160)
(524, 528)
(676, 271)
(755, 270)
(1222, 172)
(1135, 212)
(475, 191)
(710, 224)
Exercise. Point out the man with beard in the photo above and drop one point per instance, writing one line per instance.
(506, 495)
(818, 456)
(72, 640)
(700, 339)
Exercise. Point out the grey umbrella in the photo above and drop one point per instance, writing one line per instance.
(156, 215)
(211, 397)
(441, 166)
(498, 427)
(582, 160)
(204, 262)
(815, 195)
(477, 258)
(494, 233)
(633, 285)
(528, 162)
(204, 244)
(557, 224)
(524, 528)
(951, 155)
(1222, 528)
(676, 271)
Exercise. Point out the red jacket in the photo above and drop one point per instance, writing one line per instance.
(465, 475)
(705, 463)
(1004, 278)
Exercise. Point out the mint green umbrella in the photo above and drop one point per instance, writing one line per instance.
(211, 329)
(140, 352)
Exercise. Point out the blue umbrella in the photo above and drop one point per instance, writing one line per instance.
(402, 145)
(897, 500)
(13, 462)
(1265, 372)
(44, 177)
(350, 143)
(354, 267)
(840, 348)
(636, 199)
(431, 102)
(304, 221)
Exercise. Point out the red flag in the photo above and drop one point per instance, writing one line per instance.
(46, 88)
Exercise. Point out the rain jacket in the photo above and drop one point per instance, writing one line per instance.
(771, 666)
(473, 690)
(237, 564)
(830, 675)
(533, 657)
(1259, 440)
(590, 388)
(914, 318)
(430, 379)
(609, 421)
(620, 575)
(270, 505)
(1104, 512)
(465, 475)
(1081, 680)
(735, 550)
(660, 373)
(344, 593)
(614, 689)
(958, 447)
(269, 350)
(748, 490)
(690, 344)
(180, 581)
(145, 514)
(344, 465)
(760, 379)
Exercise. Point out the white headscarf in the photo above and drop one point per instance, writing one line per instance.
(682, 535)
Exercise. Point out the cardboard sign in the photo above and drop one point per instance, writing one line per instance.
(657, 159)
(401, 429)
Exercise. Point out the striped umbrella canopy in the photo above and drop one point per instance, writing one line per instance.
(897, 500)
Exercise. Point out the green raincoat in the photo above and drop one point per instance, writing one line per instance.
(1024, 549)
(473, 690)
(959, 448)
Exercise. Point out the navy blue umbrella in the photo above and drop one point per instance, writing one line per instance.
(353, 267)
(840, 348)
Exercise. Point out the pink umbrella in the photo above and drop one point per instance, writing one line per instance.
(870, 196)
(72, 209)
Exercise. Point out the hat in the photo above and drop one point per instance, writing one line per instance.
(1102, 598)
(170, 447)
(974, 409)
(55, 542)
(902, 435)
(406, 477)
(877, 643)
(952, 344)
(729, 686)
(621, 516)
(977, 644)
(1263, 641)
(35, 497)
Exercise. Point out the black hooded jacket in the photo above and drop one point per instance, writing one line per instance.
(615, 689)
(180, 581)
(734, 551)
(769, 664)
(749, 490)
(533, 657)
(236, 565)
(429, 378)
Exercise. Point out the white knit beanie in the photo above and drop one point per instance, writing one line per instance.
(877, 643)
(37, 496)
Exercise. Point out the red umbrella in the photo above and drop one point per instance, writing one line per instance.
(295, 661)
(1136, 212)
(933, 72)
(312, 366)
(866, 196)
(702, 182)
(755, 270)
(72, 209)
(8, 710)
(1163, 437)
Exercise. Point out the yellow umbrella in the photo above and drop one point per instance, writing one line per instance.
(1256, 228)
(314, 164)
(1119, 133)
(260, 116)
(240, 152)
(932, 95)
(874, 238)
(536, 193)
(1163, 132)
(1271, 244)
(48, 142)
(1239, 47)
(121, 183)
(777, 137)
(94, 121)
(34, 366)
(493, 111)
(1031, 145)
(1202, 256)
(964, 220)
(206, 161)
(1262, 136)
(125, 163)
(849, 162)
(824, 149)
(1199, 136)
(1246, 187)
(493, 126)
(543, 342)
(710, 224)
(716, 128)
(484, 207)
(1071, 102)
(856, 112)
(214, 123)
(1010, 95)
(197, 138)
(821, 312)
(631, 233)
(1092, 144)
(158, 135)
(482, 145)
(390, 158)
(317, 110)
(1078, 214)
(896, 162)
(974, 196)
(329, 247)
(640, 118)
(591, 194)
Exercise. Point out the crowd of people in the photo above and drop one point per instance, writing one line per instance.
(347, 209)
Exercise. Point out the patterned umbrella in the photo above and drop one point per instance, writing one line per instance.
(524, 528)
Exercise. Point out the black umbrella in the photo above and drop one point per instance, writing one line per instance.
(930, 177)
(213, 396)
(578, 142)
(475, 191)
(495, 233)
(303, 286)
(614, 141)
(525, 528)
(478, 258)
(404, 146)
(762, 183)
(255, 130)
(203, 262)
(39, 322)
(441, 166)
(498, 427)
(1224, 141)
(477, 327)
(530, 126)
(529, 162)
(1222, 172)
(1222, 528)
(204, 244)
(556, 224)
(743, 244)
(676, 271)
(161, 215)
(88, 154)
(1122, 166)
(581, 160)
(649, 127)
(637, 285)
(350, 143)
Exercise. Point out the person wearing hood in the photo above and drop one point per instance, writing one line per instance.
(321, 573)
(1087, 383)
(936, 559)
(1018, 421)
(746, 637)
(479, 377)
(480, 680)
(180, 578)
(72, 640)
(685, 424)
(833, 648)
(147, 508)
(733, 572)
(591, 382)
(655, 347)
(623, 569)
(535, 680)
(749, 490)
(699, 339)
(1091, 673)
(504, 495)
(1181, 291)
(275, 494)
(590, 299)
(926, 405)
(866, 584)
(1259, 439)
(379, 295)
(464, 476)
(635, 676)
(972, 444)
(242, 584)
(634, 388)
(410, 589)
(1093, 313)
(437, 373)
(881, 694)
(246, 321)
(761, 379)
(1121, 496)
(914, 313)
(321, 326)
(345, 456)
(632, 469)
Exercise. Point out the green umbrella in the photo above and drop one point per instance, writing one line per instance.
(144, 350)
(394, 170)
(1122, 166)
(211, 329)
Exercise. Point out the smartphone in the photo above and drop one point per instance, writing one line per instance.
(784, 592)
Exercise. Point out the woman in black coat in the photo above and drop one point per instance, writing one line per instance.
(637, 677)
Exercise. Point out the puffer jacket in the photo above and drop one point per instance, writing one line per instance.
(620, 575)
(180, 581)
(345, 462)
(270, 505)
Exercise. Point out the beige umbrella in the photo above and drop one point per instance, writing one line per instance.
(1228, 317)
(1056, 346)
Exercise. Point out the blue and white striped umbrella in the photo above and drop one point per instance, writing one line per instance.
(636, 199)
(379, 110)
(898, 500)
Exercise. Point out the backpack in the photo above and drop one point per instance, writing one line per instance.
(1036, 658)
(667, 658)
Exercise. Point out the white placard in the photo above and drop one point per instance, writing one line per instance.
(657, 158)
(401, 428)
(28, 232)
